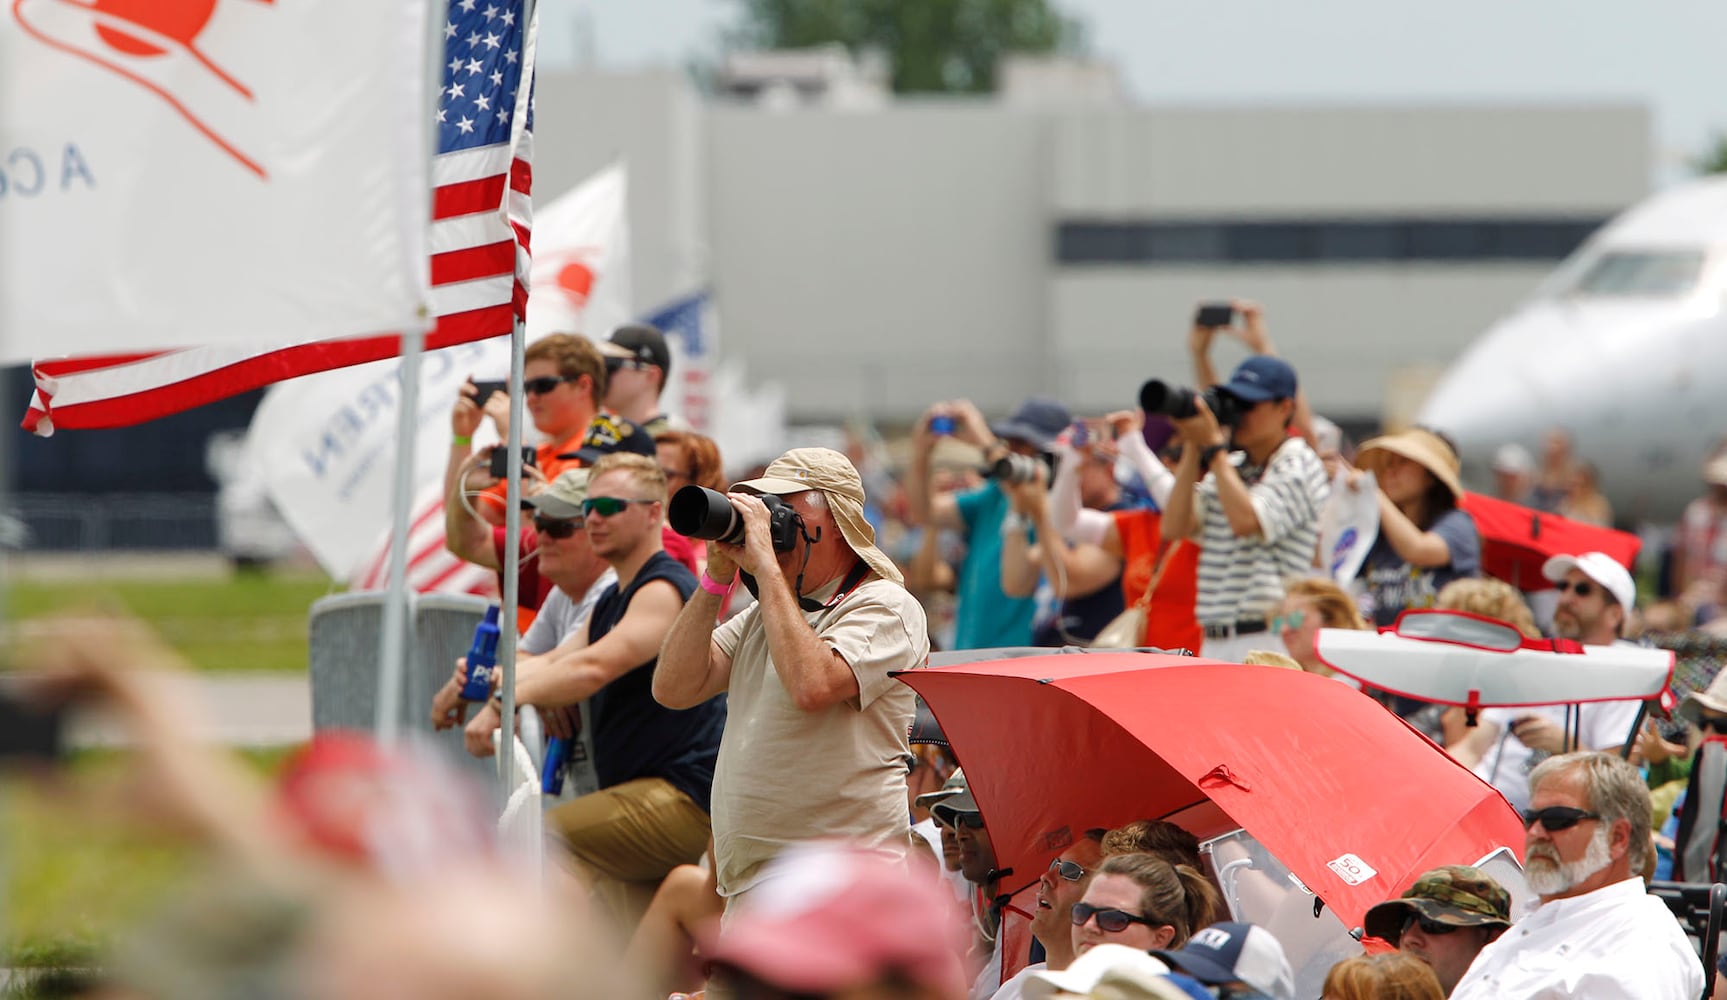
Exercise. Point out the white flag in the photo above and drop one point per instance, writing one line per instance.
(183, 173)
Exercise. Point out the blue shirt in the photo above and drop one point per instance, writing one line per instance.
(1395, 585)
(986, 617)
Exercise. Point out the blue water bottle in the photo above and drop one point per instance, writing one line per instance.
(482, 658)
(552, 771)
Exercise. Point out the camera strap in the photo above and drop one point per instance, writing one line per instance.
(852, 578)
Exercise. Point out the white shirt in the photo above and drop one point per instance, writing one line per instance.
(1507, 763)
(1616, 942)
(1015, 987)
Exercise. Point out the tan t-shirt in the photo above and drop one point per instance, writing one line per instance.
(787, 775)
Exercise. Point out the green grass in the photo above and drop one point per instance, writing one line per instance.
(246, 622)
(77, 876)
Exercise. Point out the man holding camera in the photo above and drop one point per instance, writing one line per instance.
(1257, 522)
(806, 669)
(564, 378)
(1014, 449)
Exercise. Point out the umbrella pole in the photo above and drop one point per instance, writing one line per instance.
(1636, 727)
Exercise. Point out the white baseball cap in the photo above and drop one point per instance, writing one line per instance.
(1597, 566)
(1086, 970)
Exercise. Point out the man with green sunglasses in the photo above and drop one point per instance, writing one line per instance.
(655, 766)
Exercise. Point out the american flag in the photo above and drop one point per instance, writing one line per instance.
(479, 252)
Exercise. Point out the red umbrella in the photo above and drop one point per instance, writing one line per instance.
(1351, 799)
(1516, 540)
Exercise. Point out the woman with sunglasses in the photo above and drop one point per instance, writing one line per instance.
(1143, 902)
(1310, 604)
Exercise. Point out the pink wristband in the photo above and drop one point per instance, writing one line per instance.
(713, 586)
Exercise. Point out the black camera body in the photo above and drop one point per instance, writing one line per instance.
(698, 512)
(1179, 402)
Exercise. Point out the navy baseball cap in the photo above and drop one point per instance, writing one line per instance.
(1260, 378)
(1235, 953)
(1038, 420)
(609, 434)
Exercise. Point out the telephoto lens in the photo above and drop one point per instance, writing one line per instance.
(1175, 402)
(1015, 469)
(698, 512)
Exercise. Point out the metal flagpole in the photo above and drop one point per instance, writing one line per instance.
(392, 643)
(513, 487)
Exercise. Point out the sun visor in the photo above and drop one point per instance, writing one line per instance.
(1456, 658)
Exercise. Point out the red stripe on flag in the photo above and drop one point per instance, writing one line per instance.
(474, 262)
(468, 197)
(437, 581)
(521, 175)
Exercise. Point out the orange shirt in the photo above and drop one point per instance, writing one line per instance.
(1169, 620)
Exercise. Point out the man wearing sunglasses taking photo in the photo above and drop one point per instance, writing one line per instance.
(1444, 919)
(808, 671)
(1596, 932)
(1596, 596)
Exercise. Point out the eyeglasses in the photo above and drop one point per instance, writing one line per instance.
(614, 364)
(969, 820)
(557, 527)
(609, 506)
(1289, 622)
(1716, 724)
(1582, 588)
(1428, 927)
(544, 384)
(1110, 921)
(1556, 818)
(1069, 870)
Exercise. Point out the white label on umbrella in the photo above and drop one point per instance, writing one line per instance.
(1352, 869)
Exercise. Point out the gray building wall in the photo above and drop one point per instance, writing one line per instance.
(874, 261)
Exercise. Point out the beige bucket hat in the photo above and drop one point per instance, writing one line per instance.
(834, 475)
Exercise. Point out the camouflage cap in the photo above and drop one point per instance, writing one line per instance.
(1453, 894)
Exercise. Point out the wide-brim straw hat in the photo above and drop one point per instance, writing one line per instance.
(1422, 447)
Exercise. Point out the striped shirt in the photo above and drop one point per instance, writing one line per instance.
(1241, 579)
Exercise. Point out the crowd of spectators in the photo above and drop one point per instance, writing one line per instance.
(720, 670)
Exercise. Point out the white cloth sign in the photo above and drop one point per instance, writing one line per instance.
(177, 174)
(1348, 525)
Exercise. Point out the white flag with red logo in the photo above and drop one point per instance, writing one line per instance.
(327, 442)
(182, 173)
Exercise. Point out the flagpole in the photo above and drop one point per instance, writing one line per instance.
(513, 487)
(392, 643)
(395, 627)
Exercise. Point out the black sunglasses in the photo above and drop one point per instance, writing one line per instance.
(1428, 927)
(1582, 588)
(1556, 818)
(557, 527)
(1069, 870)
(1716, 724)
(544, 384)
(1112, 921)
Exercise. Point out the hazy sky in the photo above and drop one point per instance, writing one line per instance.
(1663, 53)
